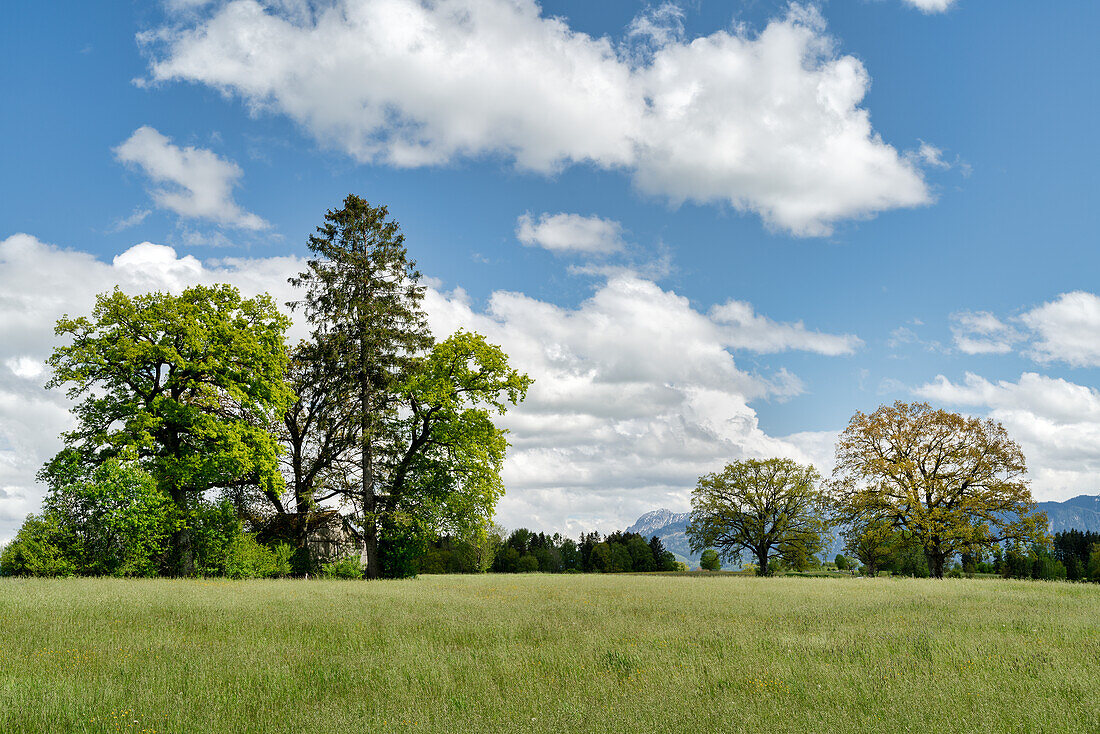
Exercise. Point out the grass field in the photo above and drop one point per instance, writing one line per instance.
(536, 653)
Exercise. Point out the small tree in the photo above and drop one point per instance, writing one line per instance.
(874, 543)
(841, 562)
(771, 508)
(1094, 563)
(710, 561)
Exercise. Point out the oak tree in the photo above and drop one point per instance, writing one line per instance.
(947, 481)
(771, 508)
(189, 385)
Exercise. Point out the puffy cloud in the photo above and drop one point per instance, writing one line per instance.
(570, 233)
(980, 332)
(636, 395)
(199, 182)
(931, 6)
(769, 122)
(1066, 329)
(637, 392)
(745, 329)
(1056, 422)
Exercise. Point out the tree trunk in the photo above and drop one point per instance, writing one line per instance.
(182, 555)
(762, 562)
(369, 551)
(936, 562)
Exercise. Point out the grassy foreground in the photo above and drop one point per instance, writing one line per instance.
(540, 653)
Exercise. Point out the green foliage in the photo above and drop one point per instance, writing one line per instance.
(187, 384)
(1094, 563)
(601, 559)
(347, 567)
(247, 559)
(403, 542)
(770, 508)
(710, 561)
(117, 522)
(37, 550)
(841, 562)
(527, 564)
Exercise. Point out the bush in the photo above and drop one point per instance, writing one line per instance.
(36, 550)
(709, 561)
(342, 568)
(527, 564)
(115, 522)
(248, 559)
(841, 562)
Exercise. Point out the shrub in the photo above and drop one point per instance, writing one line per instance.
(116, 522)
(709, 561)
(247, 559)
(841, 562)
(527, 564)
(36, 550)
(342, 568)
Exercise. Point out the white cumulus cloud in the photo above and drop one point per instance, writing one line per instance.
(931, 6)
(1066, 329)
(637, 392)
(192, 182)
(769, 122)
(570, 233)
(1056, 422)
(980, 332)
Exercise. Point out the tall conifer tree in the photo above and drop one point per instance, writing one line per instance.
(363, 298)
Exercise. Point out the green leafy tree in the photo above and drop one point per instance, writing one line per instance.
(1094, 563)
(950, 482)
(38, 549)
(710, 560)
(190, 384)
(449, 454)
(641, 557)
(771, 508)
(117, 522)
(601, 559)
(874, 543)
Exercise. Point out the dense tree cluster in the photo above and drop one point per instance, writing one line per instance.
(198, 431)
(524, 551)
(199, 398)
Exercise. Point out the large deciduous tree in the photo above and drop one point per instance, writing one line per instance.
(949, 482)
(444, 471)
(771, 508)
(426, 454)
(188, 384)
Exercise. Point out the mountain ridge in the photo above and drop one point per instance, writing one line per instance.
(1077, 513)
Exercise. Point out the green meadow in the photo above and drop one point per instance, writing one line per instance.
(550, 653)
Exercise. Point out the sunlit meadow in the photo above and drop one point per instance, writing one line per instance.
(538, 653)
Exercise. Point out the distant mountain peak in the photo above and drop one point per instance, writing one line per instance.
(652, 522)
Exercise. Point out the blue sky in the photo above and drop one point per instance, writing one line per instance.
(895, 196)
